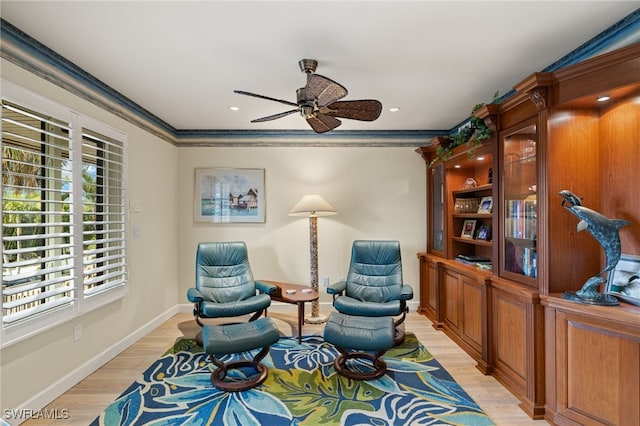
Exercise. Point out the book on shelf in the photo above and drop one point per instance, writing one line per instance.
(521, 219)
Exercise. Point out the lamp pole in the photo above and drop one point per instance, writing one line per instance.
(315, 318)
(313, 205)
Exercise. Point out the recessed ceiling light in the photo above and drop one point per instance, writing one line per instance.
(394, 109)
(603, 98)
(234, 108)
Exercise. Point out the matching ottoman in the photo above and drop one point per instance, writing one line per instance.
(228, 339)
(360, 337)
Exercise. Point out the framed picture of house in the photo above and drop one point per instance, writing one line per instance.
(624, 281)
(225, 195)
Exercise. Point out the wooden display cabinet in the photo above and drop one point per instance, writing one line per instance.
(552, 134)
(455, 295)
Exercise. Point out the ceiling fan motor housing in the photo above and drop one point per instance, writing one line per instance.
(308, 65)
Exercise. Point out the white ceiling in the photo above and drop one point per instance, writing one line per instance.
(181, 60)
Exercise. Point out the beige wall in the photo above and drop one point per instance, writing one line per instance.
(379, 193)
(31, 366)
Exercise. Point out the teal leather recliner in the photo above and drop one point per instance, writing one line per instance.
(225, 286)
(374, 285)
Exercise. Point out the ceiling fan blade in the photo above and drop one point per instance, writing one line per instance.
(321, 123)
(363, 110)
(242, 92)
(323, 90)
(274, 116)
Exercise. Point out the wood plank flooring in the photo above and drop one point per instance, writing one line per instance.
(88, 399)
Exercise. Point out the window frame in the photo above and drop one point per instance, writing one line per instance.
(81, 303)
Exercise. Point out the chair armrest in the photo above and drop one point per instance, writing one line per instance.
(337, 287)
(194, 295)
(265, 287)
(406, 293)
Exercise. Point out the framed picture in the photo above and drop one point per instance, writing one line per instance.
(486, 204)
(467, 228)
(229, 195)
(484, 233)
(624, 281)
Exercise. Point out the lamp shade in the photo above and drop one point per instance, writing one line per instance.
(312, 205)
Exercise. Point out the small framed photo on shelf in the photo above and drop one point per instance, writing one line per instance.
(484, 233)
(486, 205)
(467, 228)
(624, 281)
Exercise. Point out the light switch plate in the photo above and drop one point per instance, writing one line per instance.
(135, 206)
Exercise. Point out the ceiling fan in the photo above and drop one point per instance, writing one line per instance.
(318, 102)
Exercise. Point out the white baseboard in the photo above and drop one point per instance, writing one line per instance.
(53, 391)
(49, 394)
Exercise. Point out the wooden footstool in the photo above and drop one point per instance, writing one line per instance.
(360, 337)
(235, 338)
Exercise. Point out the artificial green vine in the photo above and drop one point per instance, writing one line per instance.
(473, 134)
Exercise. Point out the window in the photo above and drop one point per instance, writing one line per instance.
(63, 214)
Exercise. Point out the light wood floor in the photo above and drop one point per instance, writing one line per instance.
(88, 399)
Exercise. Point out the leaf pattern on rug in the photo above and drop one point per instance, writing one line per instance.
(302, 388)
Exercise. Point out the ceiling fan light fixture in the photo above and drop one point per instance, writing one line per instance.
(307, 111)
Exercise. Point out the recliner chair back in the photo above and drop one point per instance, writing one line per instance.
(223, 273)
(375, 272)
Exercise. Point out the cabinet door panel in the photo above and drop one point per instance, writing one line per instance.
(452, 299)
(509, 336)
(472, 312)
(432, 274)
(520, 210)
(597, 365)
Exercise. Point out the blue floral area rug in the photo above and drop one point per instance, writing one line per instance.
(302, 389)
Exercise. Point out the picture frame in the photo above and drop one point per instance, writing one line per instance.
(229, 195)
(486, 205)
(484, 233)
(623, 281)
(468, 227)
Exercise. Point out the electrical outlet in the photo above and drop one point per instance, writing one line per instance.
(325, 281)
(340, 279)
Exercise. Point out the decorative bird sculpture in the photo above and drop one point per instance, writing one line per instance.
(606, 232)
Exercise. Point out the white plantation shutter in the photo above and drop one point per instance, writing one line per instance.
(104, 236)
(64, 221)
(37, 257)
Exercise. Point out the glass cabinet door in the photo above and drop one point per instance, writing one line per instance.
(519, 188)
(437, 209)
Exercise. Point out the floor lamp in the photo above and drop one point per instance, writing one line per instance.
(313, 205)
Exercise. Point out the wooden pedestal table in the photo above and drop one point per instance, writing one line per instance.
(295, 294)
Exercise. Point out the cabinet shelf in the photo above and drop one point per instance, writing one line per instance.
(473, 215)
(526, 160)
(479, 188)
(521, 242)
(473, 241)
